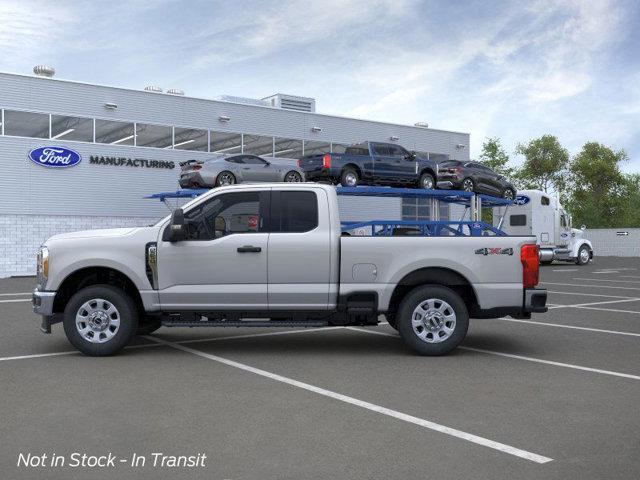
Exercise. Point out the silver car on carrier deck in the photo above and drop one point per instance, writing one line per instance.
(237, 168)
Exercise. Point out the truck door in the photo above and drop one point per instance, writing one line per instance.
(299, 251)
(403, 165)
(382, 162)
(564, 230)
(222, 262)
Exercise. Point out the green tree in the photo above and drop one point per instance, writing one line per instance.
(631, 198)
(545, 164)
(599, 193)
(495, 157)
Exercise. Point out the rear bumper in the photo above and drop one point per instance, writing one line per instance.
(42, 303)
(534, 300)
(449, 183)
(192, 179)
(320, 174)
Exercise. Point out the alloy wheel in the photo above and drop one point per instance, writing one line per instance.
(433, 320)
(97, 320)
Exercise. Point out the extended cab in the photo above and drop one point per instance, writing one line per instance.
(275, 255)
(372, 163)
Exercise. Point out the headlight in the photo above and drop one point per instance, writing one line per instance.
(43, 265)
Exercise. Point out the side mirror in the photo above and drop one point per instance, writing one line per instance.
(176, 226)
(583, 227)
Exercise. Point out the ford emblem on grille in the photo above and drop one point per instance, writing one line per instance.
(56, 157)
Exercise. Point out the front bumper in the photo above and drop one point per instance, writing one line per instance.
(42, 303)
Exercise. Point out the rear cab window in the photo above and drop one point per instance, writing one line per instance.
(358, 149)
(294, 211)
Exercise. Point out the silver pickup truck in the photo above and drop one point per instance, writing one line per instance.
(275, 255)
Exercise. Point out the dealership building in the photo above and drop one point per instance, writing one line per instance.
(129, 144)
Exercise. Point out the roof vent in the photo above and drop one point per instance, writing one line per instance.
(175, 91)
(292, 102)
(44, 71)
(422, 124)
(153, 88)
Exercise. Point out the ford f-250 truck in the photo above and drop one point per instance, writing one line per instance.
(372, 163)
(274, 255)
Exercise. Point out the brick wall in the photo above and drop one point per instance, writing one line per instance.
(21, 235)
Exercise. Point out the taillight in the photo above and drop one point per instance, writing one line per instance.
(529, 256)
(326, 161)
(299, 162)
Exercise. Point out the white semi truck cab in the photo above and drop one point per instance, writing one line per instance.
(539, 214)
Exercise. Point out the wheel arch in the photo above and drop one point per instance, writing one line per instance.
(87, 276)
(434, 276)
(354, 166)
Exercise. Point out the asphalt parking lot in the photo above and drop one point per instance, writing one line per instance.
(551, 397)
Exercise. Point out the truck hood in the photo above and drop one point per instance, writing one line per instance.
(101, 233)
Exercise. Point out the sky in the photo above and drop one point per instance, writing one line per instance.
(514, 70)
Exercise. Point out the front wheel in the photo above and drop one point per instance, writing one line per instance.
(432, 320)
(468, 185)
(100, 320)
(584, 255)
(427, 181)
(293, 177)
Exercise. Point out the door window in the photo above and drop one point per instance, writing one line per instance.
(381, 150)
(397, 151)
(226, 214)
(253, 160)
(295, 212)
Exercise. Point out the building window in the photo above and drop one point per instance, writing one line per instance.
(26, 124)
(338, 147)
(316, 148)
(258, 145)
(72, 128)
(190, 139)
(287, 148)
(225, 143)
(114, 133)
(157, 136)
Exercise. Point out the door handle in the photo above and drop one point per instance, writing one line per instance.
(249, 249)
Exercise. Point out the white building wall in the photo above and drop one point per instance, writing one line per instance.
(611, 242)
(22, 235)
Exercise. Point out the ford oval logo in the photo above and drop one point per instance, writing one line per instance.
(521, 200)
(56, 157)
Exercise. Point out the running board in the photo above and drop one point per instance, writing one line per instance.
(245, 323)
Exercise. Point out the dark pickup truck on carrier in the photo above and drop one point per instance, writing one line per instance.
(372, 163)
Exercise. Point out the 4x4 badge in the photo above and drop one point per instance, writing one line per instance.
(494, 251)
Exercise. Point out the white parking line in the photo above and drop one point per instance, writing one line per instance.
(572, 327)
(577, 305)
(588, 294)
(583, 285)
(611, 310)
(485, 442)
(15, 294)
(566, 270)
(16, 300)
(196, 340)
(605, 280)
(519, 357)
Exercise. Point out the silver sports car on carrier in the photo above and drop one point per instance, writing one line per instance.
(238, 168)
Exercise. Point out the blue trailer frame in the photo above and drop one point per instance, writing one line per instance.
(472, 227)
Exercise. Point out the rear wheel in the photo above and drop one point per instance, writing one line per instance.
(432, 320)
(293, 177)
(349, 178)
(427, 181)
(225, 178)
(508, 194)
(100, 320)
(584, 255)
(468, 185)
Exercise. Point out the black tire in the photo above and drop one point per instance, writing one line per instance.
(509, 193)
(427, 178)
(345, 177)
(440, 295)
(391, 320)
(222, 175)
(125, 310)
(292, 174)
(468, 185)
(546, 262)
(579, 260)
(148, 325)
